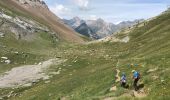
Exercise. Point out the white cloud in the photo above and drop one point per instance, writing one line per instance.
(60, 10)
(82, 4)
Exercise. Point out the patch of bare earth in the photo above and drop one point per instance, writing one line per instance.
(25, 75)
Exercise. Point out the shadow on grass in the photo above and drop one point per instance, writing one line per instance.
(140, 86)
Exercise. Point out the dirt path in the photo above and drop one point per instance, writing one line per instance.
(26, 74)
(117, 76)
(132, 94)
(139, 94)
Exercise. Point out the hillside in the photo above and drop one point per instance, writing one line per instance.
(90, 69)
(35, 63)
(38, 11)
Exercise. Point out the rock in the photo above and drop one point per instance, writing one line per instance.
(54, 73)
(47, 82)
(49, 94)
(27, 85)
(46, 77)
(16, 52)
(114, 88)
(7, 61)
(2, 35)
(155, 77)
(5, 16)
(5, 58)
(10, 94)
(34, 81)
(162, 80)
(70, 74)
(152, 70)
(57, 73)
(125, 39)
(64, 98)
(40, 63)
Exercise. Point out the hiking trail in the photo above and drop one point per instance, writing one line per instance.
(117, 76)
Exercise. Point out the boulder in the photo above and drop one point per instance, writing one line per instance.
(2, 35)
(7, 61)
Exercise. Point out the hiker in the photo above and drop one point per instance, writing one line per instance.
(123, 80)
(136, 77)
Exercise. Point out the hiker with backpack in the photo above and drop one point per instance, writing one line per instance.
(136, 77)
(123, 80)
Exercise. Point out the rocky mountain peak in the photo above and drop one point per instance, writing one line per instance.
(100, 20)
(34, 3)
(76, 19)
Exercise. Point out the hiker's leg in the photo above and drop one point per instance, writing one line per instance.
(124, 84)
(121, 84)
(135, 84)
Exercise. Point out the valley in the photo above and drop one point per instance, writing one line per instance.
(52, 62)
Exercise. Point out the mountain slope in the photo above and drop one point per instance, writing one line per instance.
(74, 23)
(42, 14)
(85, 30)
(90, 72)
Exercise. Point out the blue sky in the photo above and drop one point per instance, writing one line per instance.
(110, 10)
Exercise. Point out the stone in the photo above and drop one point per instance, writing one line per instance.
(5, 58)
(47, 82)
(114, 88)
(2, 35)
(46, 77)
(152, 70)
(7, 61)
(27, 85)
(40, 63)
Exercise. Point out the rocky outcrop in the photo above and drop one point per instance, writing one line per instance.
(34, 3)
(23, 28)
(37, 11)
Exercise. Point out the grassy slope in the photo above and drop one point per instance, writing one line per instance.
(89, 72)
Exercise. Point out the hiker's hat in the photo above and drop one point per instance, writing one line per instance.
(133, 71)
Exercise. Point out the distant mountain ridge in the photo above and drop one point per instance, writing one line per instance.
(97, 29)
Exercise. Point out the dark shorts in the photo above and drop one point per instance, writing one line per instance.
(135, 83)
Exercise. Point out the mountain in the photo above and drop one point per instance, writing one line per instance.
(99, 28)
(38, 10)
(74, 23)
(86, 30)
(126, 24)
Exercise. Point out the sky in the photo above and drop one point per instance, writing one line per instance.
(113, 11)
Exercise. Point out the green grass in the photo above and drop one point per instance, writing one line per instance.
(89, 71)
